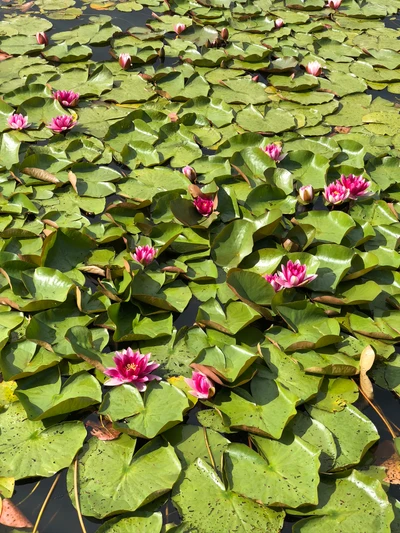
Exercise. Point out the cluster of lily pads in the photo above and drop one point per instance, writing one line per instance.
(234, 165)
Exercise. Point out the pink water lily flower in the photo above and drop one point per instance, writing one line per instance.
(336, 193)
(125, 61)
(41, 38)
(131, 367)
(205, 206)
(179, 28)
(66, 98)
(293, 275)
(200, 385)
(357, 185)
(279, 23)
(17, 121)
(314, 68)
(144, 254)
(272, 279)
(334, 4)
(189, 172)
(62, 123)
(274, 151)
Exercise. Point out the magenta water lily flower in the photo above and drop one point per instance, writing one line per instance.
(272, 279)
(41, 38)
(293, 275)
(205, 206)
(314, 68)
(179, 28)
(125, 61)
(144, 254)
(17, 121)
(334, 4)
(356, 185)
(200, 385)
(189, 172)
(274, 151)
(62, 123)
(306, 193)
(336, 193)
(279, 23)
(131, 367)
(66, 98)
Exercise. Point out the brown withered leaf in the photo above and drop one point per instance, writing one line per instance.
(342, 129)
(103, 431)
(387, 456)
(11, 516)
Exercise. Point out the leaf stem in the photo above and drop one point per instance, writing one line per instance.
(46, 501)
(208, 448)
(77, 505)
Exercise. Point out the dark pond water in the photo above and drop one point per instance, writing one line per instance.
(60, 515)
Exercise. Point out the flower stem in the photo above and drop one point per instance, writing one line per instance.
(77, 505)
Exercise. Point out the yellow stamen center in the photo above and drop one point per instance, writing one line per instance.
(131, 366)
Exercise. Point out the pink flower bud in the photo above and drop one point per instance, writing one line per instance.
(224, 34)
(190, 173)
(279, 23)
(357, 185)
(314, 68)
(179, 28)
(173, 117)
(200, 385)
(306, 193)
(125, 61)
(66, 98)
(17, 121)
(41, 38)
(205, 206)
(144, 254)
(255, 78)
(274, 151)
(336, 193)
(62, 123)
(334, 4)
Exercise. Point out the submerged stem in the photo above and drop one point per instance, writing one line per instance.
(378, 410)
(77, 504)
(46, 501)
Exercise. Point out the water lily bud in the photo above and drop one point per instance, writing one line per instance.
(204, 206)
(161, 53)
(224, 34)
(334, 4)
(190, 173)
(255, 78)
(279, 23)
(125, 61)
(179, 28)
(173, 117)
(41, 38)
(306, 193)
(314, 68)
(200, 385)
